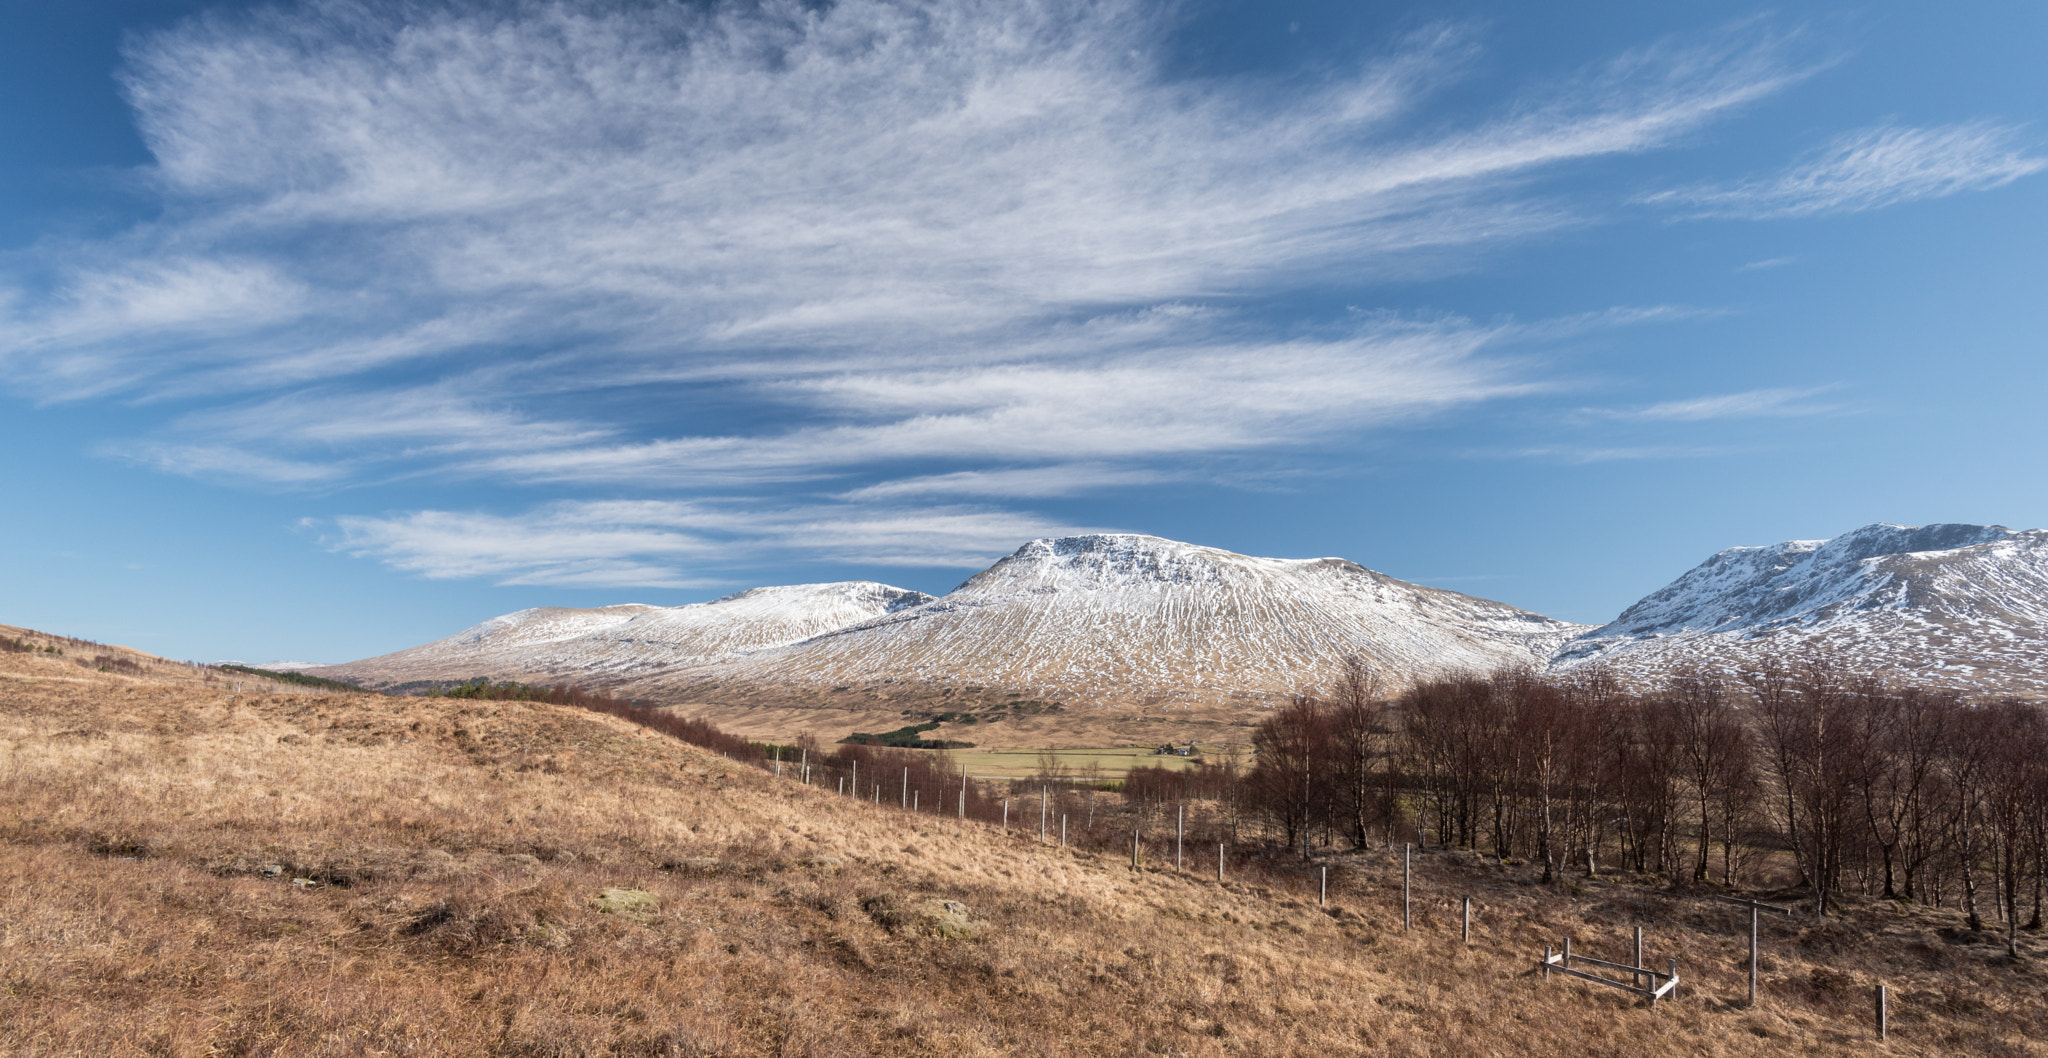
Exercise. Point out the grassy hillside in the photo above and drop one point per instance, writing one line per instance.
(185, 870)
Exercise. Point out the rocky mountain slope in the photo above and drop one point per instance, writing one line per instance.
(1960, 605)
(1097, 619)
(609, 644)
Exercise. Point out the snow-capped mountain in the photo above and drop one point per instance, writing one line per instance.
(612, 643)
(1126, 618)
(1961, 605)
(1108, 618)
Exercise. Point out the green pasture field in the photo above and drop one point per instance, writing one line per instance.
(1110, 762)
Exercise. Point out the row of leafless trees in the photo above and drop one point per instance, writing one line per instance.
(1850, 782)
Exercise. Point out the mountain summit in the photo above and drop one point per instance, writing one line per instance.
(1963, 605)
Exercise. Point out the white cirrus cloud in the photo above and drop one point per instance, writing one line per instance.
(1870, 169)
(699, 189)
(672, 544)
(1750, 404)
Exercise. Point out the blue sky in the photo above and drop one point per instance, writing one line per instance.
(331, 328)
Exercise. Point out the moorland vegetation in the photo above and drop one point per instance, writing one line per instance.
(187, 868)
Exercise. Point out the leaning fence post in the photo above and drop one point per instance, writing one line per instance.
(1883, 1012)
(1407, 884)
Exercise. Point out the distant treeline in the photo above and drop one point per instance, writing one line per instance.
(910, 737)
(298, 679)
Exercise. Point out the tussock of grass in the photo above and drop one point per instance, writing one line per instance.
(184, 871)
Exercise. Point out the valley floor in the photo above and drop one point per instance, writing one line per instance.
(189, 871)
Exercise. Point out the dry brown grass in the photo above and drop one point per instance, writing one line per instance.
(455, 851)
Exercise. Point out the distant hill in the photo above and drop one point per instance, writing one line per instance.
(610, 644)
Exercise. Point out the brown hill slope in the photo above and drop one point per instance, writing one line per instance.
(61, 659)
(185, 870)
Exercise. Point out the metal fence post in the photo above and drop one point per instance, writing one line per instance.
(1752, 954)
(1407, 887)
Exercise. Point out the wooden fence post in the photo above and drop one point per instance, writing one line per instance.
(1180, 830)
(1546, 962)
(1883, 1012)
(1044, 805)
(1006, 816)
(1638, 963)
(1063, 830)
(913, 799)
(1219, 863)
(1468, 920)
(1324, 899)
(1134, 850)
(906, 788)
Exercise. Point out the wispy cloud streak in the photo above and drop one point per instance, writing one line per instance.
(1751, 404)
(1870, 169)
(668, 544)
